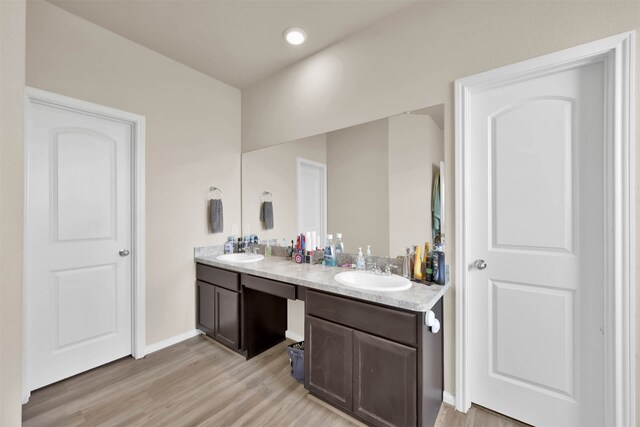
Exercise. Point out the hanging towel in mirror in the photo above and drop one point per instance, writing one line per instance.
(215, 215)
(266, 215)
(435, 208)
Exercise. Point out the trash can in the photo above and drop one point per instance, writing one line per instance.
(296, 355)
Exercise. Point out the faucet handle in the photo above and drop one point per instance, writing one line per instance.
(388, 268)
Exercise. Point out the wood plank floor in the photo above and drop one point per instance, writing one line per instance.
(199, 383)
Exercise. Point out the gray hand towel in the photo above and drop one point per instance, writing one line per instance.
(215, 215)
(266, 215)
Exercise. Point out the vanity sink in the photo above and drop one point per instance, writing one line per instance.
(372, 282)
(238, 258)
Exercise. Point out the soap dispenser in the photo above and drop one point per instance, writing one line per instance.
(360, 260)
(339, 244)
(329, 252)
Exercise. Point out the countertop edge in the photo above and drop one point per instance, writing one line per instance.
(391, 299)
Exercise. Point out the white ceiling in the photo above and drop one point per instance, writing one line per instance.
(236, 41)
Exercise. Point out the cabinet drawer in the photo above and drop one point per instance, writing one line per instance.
(223, 278)
(396, 325)
(267, 286)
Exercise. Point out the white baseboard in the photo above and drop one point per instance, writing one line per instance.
(293, 336)
(171, 341)
(448, 398)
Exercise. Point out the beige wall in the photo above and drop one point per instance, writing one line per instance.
(411, 61)
(192, 143)
(358, 186)
(12, 63)
(274, 169)
(416, 147)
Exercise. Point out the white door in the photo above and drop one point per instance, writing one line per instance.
(536, 219)
(79, 220)
(312, 206)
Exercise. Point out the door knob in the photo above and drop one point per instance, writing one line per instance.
(124, 252)
(480, 264)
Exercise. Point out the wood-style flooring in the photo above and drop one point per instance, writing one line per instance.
(200, 383)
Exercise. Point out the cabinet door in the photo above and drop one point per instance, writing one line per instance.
(328, 361)
(227, 317)
(206, 308)
(384, 381)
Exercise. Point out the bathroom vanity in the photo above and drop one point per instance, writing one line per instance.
(367, 353)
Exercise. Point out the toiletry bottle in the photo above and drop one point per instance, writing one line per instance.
(240, 245)
(417, 265)
(406, 263)
(428, 264)
(267, 249)
(435, 265)
(228, 247)
(439, 255)
(368, 261)
(360, 263)
(339, 244)
(329, 259)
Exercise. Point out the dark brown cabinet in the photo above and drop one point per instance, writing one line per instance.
(227, 317)
(329, 348)
(206, 304)
(384, 381)
(218, 305)
(381, 365)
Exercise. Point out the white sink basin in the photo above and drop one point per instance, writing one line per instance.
(372, 282)
(240, 257)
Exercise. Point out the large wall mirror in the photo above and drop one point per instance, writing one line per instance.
(373, 183)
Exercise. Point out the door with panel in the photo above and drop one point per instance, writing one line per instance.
(79, 233)
(312, 198)
(536, 228)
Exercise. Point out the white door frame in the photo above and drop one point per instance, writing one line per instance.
(138, 296)
(299, 162)
(617, 55)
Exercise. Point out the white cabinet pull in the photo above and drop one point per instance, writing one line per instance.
(436, 327)
(430, 319)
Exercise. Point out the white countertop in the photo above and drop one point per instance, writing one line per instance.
(419, 297)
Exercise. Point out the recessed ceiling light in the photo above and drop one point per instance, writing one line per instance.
(295, 36)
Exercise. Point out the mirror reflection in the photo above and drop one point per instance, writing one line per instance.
(373, 183)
